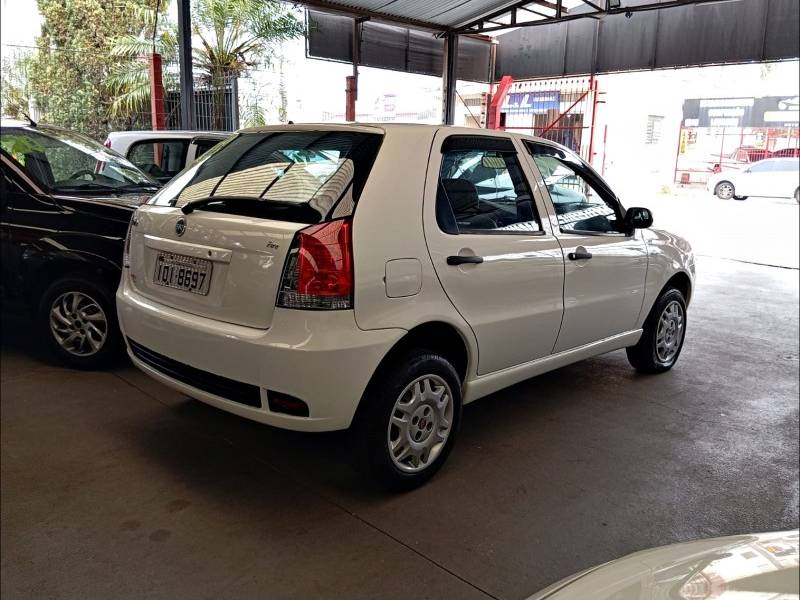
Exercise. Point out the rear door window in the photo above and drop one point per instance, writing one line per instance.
(300, 176)
(482, 188)
(161, 159)
(203, 145)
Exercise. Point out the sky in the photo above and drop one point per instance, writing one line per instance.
(19, 22)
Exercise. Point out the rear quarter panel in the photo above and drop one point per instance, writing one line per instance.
(388, 225)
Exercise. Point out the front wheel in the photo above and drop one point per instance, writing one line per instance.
(76, 316)
(410, 422)
(662, 339)
(724, 190)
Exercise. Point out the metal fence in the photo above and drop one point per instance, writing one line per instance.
(561, 110)
(703, 151)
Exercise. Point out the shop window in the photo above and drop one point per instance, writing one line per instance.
(654, 125)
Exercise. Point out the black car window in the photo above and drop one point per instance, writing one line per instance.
(63, 161)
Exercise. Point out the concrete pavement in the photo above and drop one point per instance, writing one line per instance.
(114, 486)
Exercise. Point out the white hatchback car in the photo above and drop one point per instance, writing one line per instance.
(316, 277)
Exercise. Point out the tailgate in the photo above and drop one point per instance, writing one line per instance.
(220, 266)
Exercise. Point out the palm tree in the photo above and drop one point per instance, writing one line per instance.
(129, 79)
(235, 35)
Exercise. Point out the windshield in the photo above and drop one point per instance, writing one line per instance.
(64, 161)
(301, 176)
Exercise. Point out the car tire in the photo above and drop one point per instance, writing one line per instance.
(411, 416)
(77, 319)
(724, 190)
(663, 335)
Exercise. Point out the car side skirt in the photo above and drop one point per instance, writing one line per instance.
(488, 384)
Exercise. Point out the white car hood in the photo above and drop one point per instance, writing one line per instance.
(753, 567)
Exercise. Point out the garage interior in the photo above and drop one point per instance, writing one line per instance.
(115, 486)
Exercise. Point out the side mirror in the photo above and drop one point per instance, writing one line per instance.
(637, 217)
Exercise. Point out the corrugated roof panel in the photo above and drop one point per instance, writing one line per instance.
(444, 13)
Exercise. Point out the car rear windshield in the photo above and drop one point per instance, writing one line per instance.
(299, 176)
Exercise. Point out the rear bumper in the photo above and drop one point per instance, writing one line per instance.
(322, 358)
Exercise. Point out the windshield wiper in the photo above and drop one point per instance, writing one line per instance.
(138, 187)
(101, 187)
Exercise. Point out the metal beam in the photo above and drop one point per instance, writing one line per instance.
(185, 64)
(449, 78)
(477, 26)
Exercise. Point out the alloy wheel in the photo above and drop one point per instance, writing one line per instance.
(420, 423)
(669, 335)
(725, 191)
(78, 323)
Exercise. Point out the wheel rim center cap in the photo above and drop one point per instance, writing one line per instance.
(422, 424)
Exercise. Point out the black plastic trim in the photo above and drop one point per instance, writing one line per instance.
(229, 389)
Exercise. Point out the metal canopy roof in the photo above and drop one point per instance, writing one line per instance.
(482, 16)
(443, 15)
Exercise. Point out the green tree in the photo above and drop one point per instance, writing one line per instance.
(68, 76)
(129, 79)
(236, 35)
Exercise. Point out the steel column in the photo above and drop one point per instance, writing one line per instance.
(157, 114)
(449, 78)
(185, 62)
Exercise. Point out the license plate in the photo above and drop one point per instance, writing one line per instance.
(181, 272)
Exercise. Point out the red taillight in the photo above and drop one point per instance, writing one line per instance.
(319, 270)
(107, 143)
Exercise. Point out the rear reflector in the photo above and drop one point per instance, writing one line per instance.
(319, 269)
(289, 405)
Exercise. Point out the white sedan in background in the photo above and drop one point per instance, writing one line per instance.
(772, 178)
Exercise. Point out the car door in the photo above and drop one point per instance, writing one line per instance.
(497, 259)
(27, 214)
(757, 180)
(605, 267)
(787, 177)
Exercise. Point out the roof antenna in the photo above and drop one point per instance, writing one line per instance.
(31, 121)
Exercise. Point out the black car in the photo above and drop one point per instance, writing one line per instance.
(66, 203)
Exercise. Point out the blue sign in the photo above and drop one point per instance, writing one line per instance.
(532, 102)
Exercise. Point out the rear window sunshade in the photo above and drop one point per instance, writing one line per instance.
(298, 176)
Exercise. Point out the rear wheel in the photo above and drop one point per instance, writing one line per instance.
(662, 339)
(724, 190)
(77, 318)
(410, 422)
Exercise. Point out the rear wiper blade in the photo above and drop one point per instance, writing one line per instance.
(201, 202)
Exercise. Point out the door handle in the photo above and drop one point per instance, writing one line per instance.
(579, 254)
(464, 260)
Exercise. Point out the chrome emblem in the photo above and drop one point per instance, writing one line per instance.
(180, 226)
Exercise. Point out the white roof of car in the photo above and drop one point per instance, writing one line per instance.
(168, 133)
